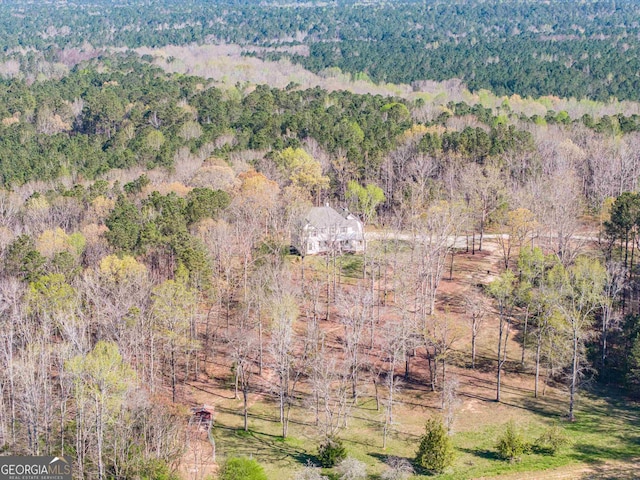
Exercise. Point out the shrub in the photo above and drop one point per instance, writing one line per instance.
(157, 470)
(242, 468)
(551, 441)
(331, 452)
(309, 472)
(511, 445)
(399, 469)
(436, 450)
(351, 469)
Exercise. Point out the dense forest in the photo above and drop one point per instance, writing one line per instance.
(531, 48)
(119, 112)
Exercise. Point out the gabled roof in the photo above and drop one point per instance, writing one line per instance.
(324, 217)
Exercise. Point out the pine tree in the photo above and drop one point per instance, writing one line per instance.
(511, 445)
(633, 376)
(436, 450)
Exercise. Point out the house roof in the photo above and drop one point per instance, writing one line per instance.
(203, 408)
(323, 217)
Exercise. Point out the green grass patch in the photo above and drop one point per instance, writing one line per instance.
(351, 265)
(606, 429)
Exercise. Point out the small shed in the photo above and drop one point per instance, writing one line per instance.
(203, 413)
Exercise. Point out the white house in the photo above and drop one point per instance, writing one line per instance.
(323, 230)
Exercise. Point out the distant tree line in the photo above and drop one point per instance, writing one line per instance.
(527, 47)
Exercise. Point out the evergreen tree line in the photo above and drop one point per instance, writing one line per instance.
(532, 49)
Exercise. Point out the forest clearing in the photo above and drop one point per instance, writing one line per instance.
(603, 442)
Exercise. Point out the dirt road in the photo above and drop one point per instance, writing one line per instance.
(628, 470)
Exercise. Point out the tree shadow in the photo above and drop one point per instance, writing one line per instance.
(305, 458)
(209, 391)
(262, 446)
(545, 406)
(382, 457)
(482, 453)
(597, 454)
(251, 415)
(604, 472)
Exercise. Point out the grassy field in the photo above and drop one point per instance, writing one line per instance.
(607, 429)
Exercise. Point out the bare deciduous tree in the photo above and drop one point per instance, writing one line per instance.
(502, 290)
(580, 290)
(243, 345)
(330, 384)
(484, 191)
(475, 310)
(610, 317)
(284, 312)
(450, 402)
(173, 311)
(356, 310)
(436, 235)
(391, 352)
(440, 333)
(556, 201)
